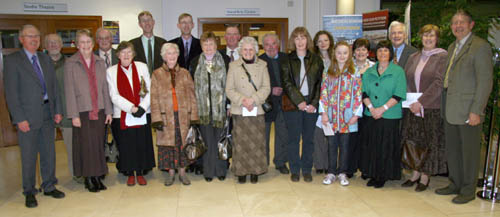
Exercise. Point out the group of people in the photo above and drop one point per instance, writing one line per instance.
(342, 108)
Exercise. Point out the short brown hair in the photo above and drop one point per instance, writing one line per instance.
(428, 28)
(207, 36)
(300, 31)
(361, 42)
(144, 13)
(124, 45)
(83, 32)
(184, 15)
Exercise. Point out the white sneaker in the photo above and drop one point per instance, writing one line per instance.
(329, 179)
(343, 179)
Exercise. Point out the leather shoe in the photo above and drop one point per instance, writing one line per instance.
(421, 187)
(242, 179)
(308, 177)
(30, 201)
(89, 185)
(254, 179)
(131, 181)
(371, 182)
(283, 169)
(100, 185)
(221, 178)
(295, 177)
(55, 194)
(198, 170)
(184, 180)
(410, 183)
(446, 191)
(208, 179)
(364, 177)
(141, 180)
(379, 184)
(462, 199)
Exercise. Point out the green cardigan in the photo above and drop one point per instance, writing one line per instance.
(381, 88)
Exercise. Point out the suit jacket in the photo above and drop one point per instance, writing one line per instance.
(470, 80)
(431, 78)
(114, 57)
(275, 100)
(24, 92)
(290, 77)
(194, 51)
(140, 55)
(409, 50)
(77, 88)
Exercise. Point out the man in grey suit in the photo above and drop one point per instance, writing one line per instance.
(34, 105)
(467, 86)
(397, 35)
(105, 51)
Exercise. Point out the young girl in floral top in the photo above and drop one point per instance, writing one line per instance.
(340, 105)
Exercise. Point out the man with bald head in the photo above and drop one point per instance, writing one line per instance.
(105, 51)
(397, 35)
(34, 104)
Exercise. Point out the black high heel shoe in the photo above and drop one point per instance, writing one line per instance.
(242, 179)
(254, 179)
(89, 185)
(100, 185)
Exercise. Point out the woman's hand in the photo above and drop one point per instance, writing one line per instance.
(377, 112)
(134, 109)
(248, 103)
(76, 122)
(416, 107)
(108, 119)
(310, 109)
(353, 120)
(302, 106)
(324, 118)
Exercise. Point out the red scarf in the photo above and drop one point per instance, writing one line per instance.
(126, 91)
(92, 79)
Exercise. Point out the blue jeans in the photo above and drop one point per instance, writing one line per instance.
(336, 142)
(300, 124)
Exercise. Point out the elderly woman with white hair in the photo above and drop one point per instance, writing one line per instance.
(248, 87)
(173, 108)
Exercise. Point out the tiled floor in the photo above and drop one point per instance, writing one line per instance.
(274, 195)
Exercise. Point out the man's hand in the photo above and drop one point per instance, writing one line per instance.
(76, 122)
(57, 118)
(277, 91)
(24, 126)
(108, 119)
(474, 119)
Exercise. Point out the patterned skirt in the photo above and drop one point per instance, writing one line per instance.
(427, 132)
(249, 151)
(173, 157)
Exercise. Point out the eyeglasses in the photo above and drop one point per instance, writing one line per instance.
(31, 36)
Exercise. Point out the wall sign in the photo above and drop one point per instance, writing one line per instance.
(242, 11)
(45, 7)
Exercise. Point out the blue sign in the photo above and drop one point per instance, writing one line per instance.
(344, 27)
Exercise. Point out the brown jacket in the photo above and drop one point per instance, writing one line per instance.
(162, 108)
(431, 79)
(76, 87)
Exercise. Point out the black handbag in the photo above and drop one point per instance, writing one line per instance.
(195, 147)
(267, 106)
(110, 148)
(225, 143)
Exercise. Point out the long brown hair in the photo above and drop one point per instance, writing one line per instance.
(315, 41)
(334, 69)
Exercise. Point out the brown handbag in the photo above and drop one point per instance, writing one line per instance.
(413, 155)
(286, 103)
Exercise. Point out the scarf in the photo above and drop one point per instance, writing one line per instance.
(421, 64)
(172, 72)
(92, 79)
(128, 92)
(211, 100)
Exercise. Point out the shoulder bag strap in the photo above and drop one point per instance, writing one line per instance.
(249, 77)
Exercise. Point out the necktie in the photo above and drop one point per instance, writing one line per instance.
(150, 57)
(449, 65)
(186, 54)
(395, 59)
(232, 56)
(107, 59)
(38, 71)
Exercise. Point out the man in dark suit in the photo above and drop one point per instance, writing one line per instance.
(232, 37)
(397, 35)
(467, 86)
(105, 51)
(35, 107)
(273, 58)
(147, 47)
(189, 46)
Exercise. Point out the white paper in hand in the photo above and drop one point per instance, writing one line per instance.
(130, 120)
(328, 129)
(410, 99)
(246, 113)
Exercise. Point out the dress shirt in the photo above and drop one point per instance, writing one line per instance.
(236, 55)
(30, 56)
(189, 41)
(145, 46)
(398, 51)
(462, 42)
(102, 54)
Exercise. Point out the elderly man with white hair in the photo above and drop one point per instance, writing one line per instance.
(397, 34)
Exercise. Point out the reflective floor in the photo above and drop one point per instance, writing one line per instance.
(274, 195)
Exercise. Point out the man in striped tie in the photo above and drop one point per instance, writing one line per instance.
(105, 51)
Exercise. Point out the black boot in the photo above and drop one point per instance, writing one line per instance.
(100, 185)
(254, 178)
(89, 185)
(242, 179)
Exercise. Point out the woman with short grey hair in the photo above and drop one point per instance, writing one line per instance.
(247, 96)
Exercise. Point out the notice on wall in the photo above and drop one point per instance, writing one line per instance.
(45, 7)
(114, 28)
(344, 27)
(375, 26)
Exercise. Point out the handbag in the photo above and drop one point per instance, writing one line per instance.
(286, 103)
(110, 148)
(267, 107)
(225, 144)
(195, 147)
(413, 154)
